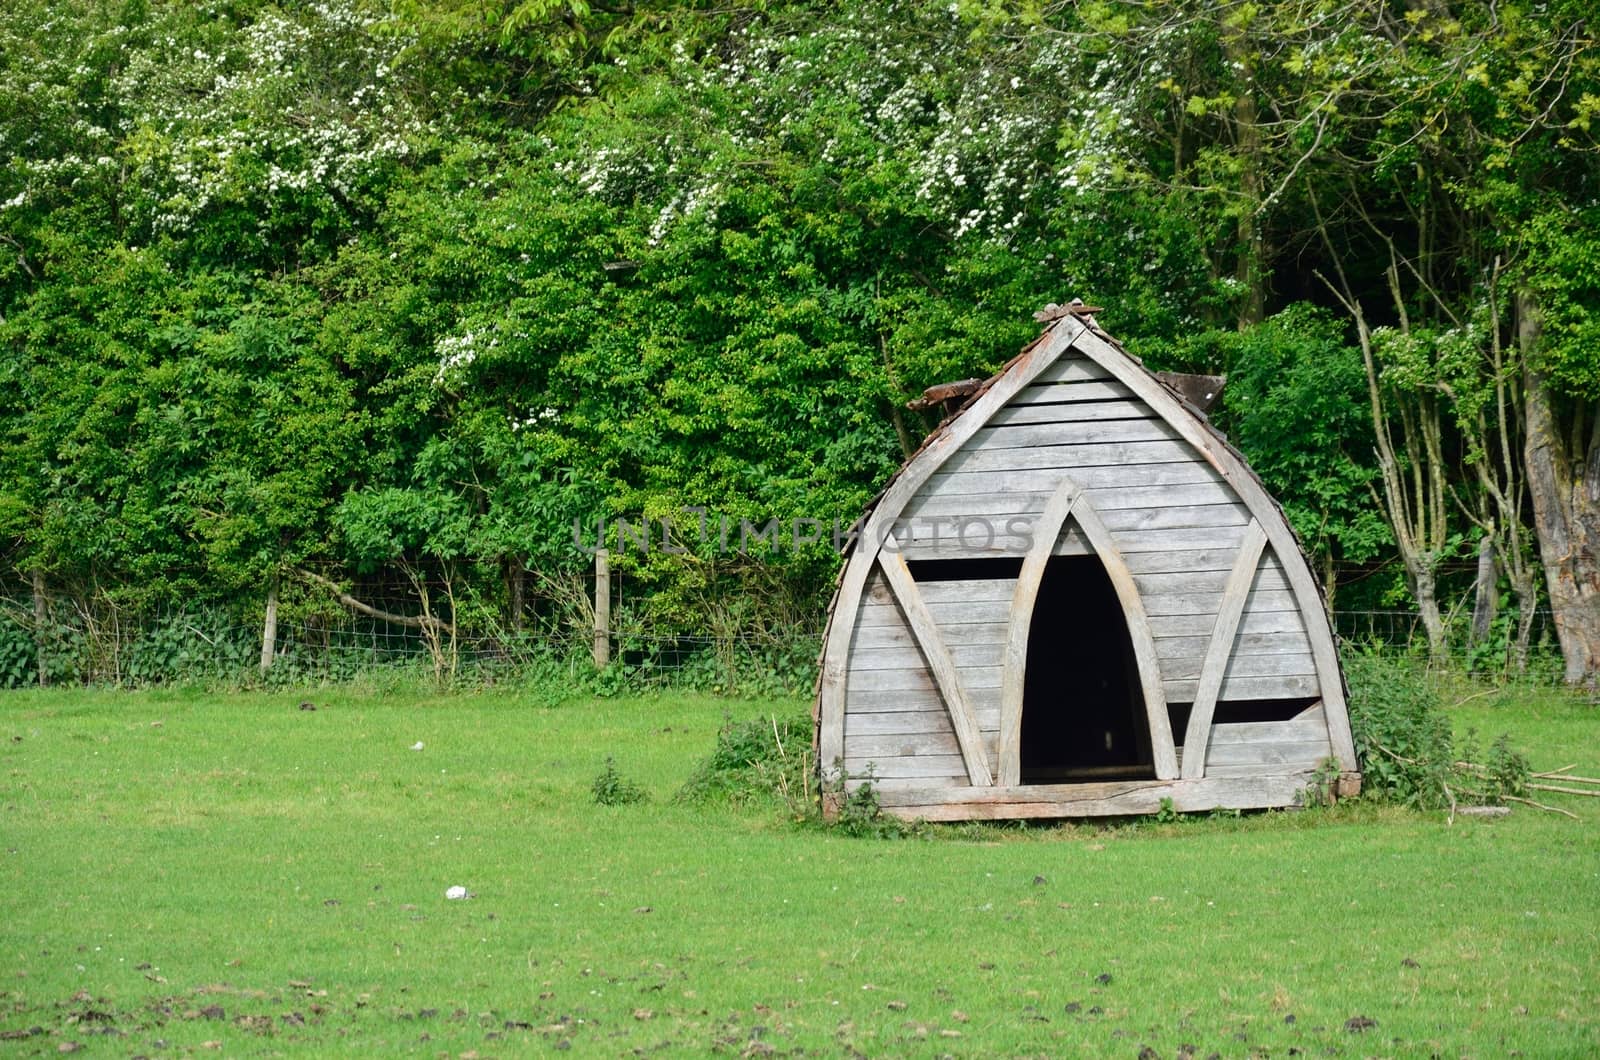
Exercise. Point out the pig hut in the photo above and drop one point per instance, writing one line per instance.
(1074, 600)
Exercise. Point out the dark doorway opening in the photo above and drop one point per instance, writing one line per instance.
(1083, 712)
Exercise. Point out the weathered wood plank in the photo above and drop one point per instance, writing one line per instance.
(946, 676)
(1300, 753)
(1017, 436)
(1071, 369)
(936, 594)
(1249, 688)
(1058, 393)
(1079, 412)
(1294, 731)
(1207, 603)
(898, 723)
(934, 505)
(1201, 624)
(1203, 581)
(1192, 668)
(832, 682)
(1010, 535)
(956, 635)
(1220, 651)
(919, 679)
(1011, 541)
(932, 802)
(885, 746)
(1290, 642)
(1070, 456)
(973, 612)
(986, 702)
(902, 657)
(1099, 476)
(942, 766)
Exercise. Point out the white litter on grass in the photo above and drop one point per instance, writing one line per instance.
(458, 892)
(417, 746)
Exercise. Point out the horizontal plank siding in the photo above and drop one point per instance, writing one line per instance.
(954, 634)
(1090, 476)
(1300, 754)
(1072, 432)
(1240, 688)
(1080, 412)
(884, 746)
(985, 702)
(1246, 732)
(1106, 499)
(1292, 641)
(1058, 393)
(1100, 454)
(897, 723)
(966, 656)
(945, 767)
(1073, 368)
(1198, 624)
(1187, 668)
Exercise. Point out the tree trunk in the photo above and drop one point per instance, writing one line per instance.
(1564, 484)
(1425, 586)
(518, 591)
(41, 623)
(269, 627)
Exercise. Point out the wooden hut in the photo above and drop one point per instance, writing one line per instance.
(1074, 600)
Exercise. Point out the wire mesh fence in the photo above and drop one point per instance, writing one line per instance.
(210, 645)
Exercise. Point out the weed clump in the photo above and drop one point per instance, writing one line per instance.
(611, 788)
(760, 760)
(1404, 743)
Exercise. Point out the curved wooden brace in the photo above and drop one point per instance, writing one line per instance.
(1068, 501)
(1197, 737)
(946, 677)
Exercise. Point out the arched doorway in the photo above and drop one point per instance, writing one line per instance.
(1083, 714)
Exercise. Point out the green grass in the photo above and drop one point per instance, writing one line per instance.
(182, 869)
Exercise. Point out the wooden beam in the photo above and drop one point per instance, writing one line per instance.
(1220, 650)
(913, 798)
(943, 668)
(944, 444)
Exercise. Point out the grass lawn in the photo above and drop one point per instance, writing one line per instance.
(185, 872)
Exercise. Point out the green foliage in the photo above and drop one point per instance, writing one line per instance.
(1403, 741)
(19, 660)
(759, 760)
(861, 817)
(1405, 746)
(405, 290)
(611, 788)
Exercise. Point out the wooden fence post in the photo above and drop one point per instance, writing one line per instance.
(269, 626)
(602, 609)
(41, 621)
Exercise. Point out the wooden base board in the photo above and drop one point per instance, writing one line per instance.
(1109, 799)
